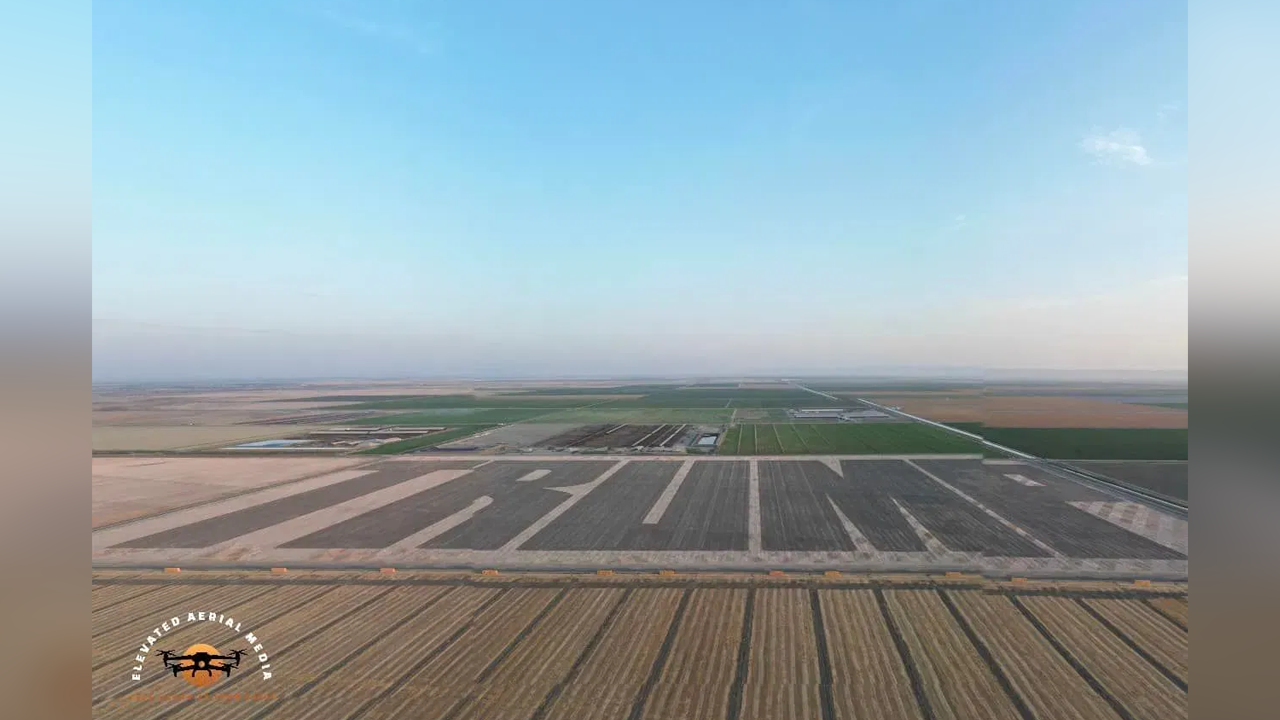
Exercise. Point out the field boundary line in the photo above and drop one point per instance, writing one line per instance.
(342, 662)
(1176, 622)
(580, 662)
(994, 515)
(660, 661)
(308, 636)
(442, 526)
(199, 503)
(904, 656)
(131, 598)
(985, 652)
(428, 657)
(511, 646)
(302, 526)
(1134, 646)
(927, 538)
(825, 699)
(97, 633)
(1075, 664)
(668, 494)
(278, 613)
(754, 533)
(860, 541)
(576, 493)
(743, 666)
(807, 450)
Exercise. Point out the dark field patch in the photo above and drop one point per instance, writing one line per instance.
(421, 402)
(1167, 478)
(515, 505)
(1043, 511)
(708, 512)
(847, 439)
(1093, 443)
(605, 436)
(952, 520)
(454, 416)
(729, 398)
(425, 441)
(234, 524)
(795, 513)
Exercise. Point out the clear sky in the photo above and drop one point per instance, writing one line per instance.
(566, 186)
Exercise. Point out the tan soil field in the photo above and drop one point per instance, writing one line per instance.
(129, 487)
(1030, 411)
(371, 646)
(145, 438)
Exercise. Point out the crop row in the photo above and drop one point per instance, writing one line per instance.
(1127, 679)
(381, 651)
(404, 446)
(842, 438)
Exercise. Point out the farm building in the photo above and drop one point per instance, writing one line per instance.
(863, 415)
(816, 413)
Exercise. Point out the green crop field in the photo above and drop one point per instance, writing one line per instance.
(611, 414)
(456, 416)
(427, 402)
(815, 441)
(616, 390)
(729, 441)
(847, 439)
(1093, 443)
(404, 446)
(767, 442)
(792, 443)
(892, 386)
(728, 398)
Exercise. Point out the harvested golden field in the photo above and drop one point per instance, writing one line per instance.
(149, 438)
(130, 487)
(1031, 411)
(366, 646)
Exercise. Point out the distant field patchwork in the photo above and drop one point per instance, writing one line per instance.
(730, 398)
(845, 439)
(426, 441)
(1091, 443)
(456, 416)
(612, 414)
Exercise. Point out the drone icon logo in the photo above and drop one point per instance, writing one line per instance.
(201, 665)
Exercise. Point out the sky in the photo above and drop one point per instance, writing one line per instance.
(298, 188)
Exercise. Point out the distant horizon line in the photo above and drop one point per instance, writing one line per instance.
(971, 377)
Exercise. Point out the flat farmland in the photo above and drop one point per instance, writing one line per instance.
(729, 398)
(425, 441)
(1170, 478)
(1035, 411)
(130, 487)
(454, 416)
(359, 646)
(1093, 443)
(606, 436)
(849, 512)
(608, 414)
(427, 402)
(120, 438)
(843, 439)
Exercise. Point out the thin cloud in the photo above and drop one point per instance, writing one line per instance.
(397, 35)
(1118, 147)
(1165, 111)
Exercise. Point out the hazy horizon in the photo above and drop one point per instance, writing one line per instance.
(397, 190)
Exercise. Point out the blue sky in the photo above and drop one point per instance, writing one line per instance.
(396, 187)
